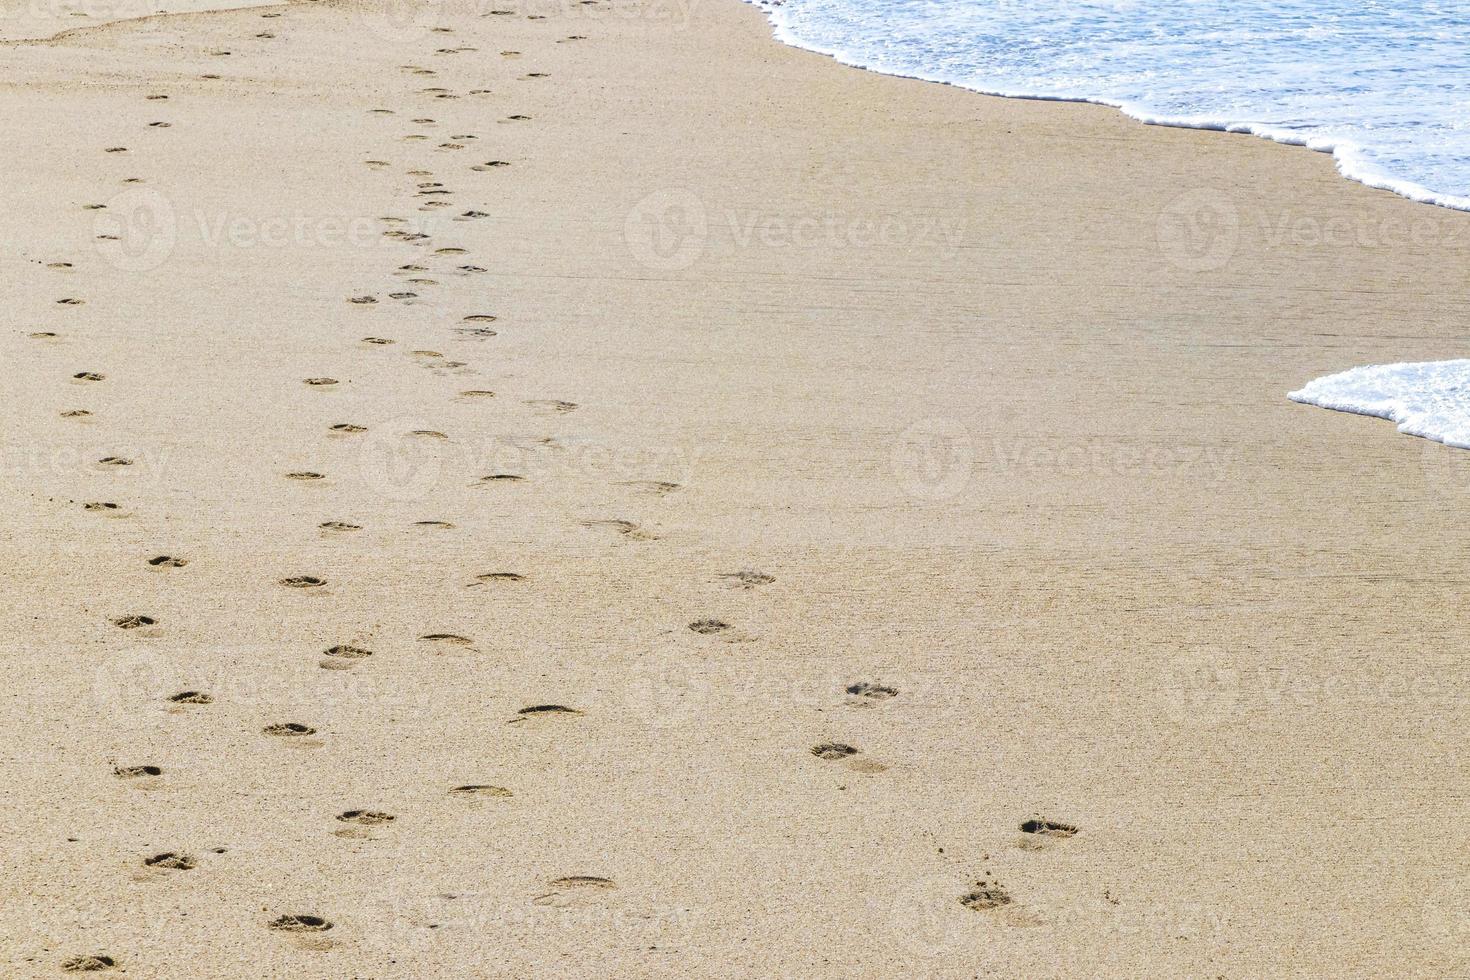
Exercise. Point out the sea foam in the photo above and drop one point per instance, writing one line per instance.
(1428, 398)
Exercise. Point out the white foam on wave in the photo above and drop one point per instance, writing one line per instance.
(1384, 88)
(1428, 398)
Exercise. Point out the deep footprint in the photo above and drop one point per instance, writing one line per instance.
(1049, 828)
(833, 750)
(288, 729)
(171, 861)
(300, 923)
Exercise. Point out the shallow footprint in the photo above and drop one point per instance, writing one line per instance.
(553, 405)
(625, 529)
(541, 710)
(450, 639)
(867, 693)
(708, 627)
(659, 488)
(987, 894)
(748, 579)
(91, 963)
(482, 791)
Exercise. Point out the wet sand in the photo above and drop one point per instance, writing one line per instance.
(869, 468)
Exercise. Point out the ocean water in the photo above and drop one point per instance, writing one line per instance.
(1384, 85)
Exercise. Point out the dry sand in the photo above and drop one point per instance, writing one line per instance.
(991, 393)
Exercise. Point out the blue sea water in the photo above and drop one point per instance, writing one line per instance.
(1384, 85)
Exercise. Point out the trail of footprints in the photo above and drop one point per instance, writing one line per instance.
(409, 283)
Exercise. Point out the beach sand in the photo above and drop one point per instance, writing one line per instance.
(986, 396)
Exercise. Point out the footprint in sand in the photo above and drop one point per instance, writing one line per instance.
(543, 711)
(133, 622)
(987, 894)
(555, 405)
(708, 627)
(832, 751)
(626, 529)
(570, 888)
(288, 729)
(343, 656)
(866, 693)
(347, 428)
(167, 561)
(88, 376)
(378, 341)
(747, 579)
(300, 922)
(582, 881)
(91, 963)
(482, 791)
(303, 582)
(191, 697)
(365, 818)
(447, 639)
(497, 577)
(136, 772)
(104, 507)
(1039, 833)
(321, 382)
(339, 526)
(658, 488)
(170, 861)
(305, 475)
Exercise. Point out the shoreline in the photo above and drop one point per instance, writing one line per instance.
(1359, 172)
(751, 409)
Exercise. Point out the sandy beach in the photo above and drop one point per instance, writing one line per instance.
(583, 489)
